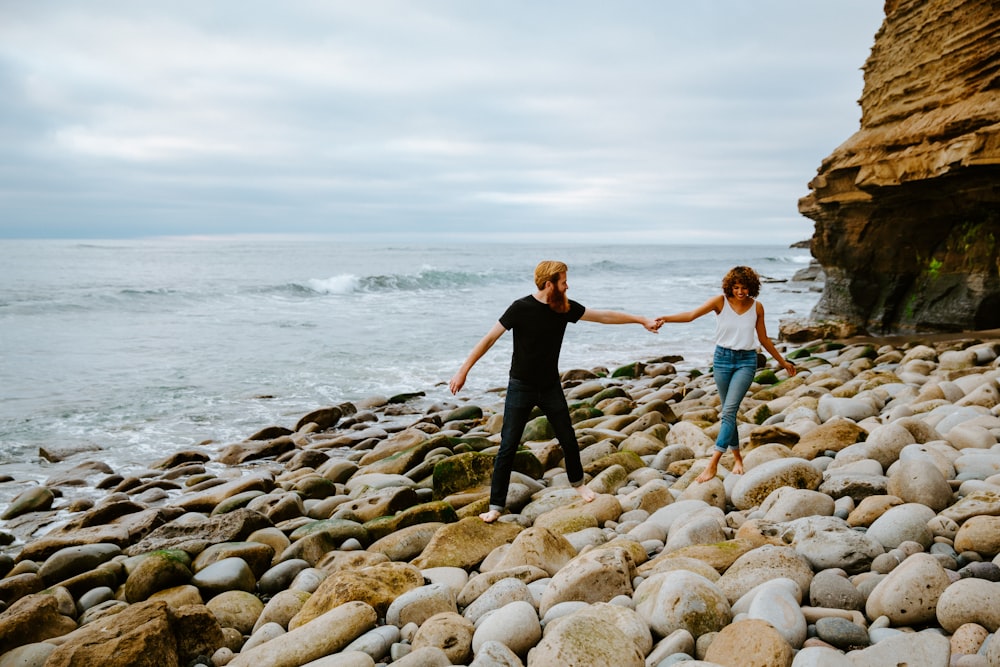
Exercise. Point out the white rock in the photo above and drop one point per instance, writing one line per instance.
(764, 564)
(343, 659)
(756, 485)
(454, 578)
(678, 641)
(419, 604)
(829, 542)
(921, 482)
(786, 503)
(909, 594)
(593, 576)
(821, 656)
(854, 408)
(926, 648)
(776, 605)
(665, 516)
(703, 526)
(676, 600)
(495, 654)
(584, 640)
(375, 643)
(970, 437)
(903, 523)
(496, 596)
(325, 634)
(970, 601)
(514, 625)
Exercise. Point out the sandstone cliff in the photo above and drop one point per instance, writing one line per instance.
(907, 210)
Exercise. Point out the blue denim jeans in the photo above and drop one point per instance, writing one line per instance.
(521, 399)
(734, 371)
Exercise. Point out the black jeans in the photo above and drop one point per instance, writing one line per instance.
(521, 399)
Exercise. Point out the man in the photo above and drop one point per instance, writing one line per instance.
(538, 321)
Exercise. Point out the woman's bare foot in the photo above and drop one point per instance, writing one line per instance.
(707, 474)
(586, 493)
(491, 516)
(738, 468)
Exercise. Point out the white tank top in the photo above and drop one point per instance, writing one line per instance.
(735, 331)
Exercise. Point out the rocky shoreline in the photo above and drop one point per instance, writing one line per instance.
(865, 531)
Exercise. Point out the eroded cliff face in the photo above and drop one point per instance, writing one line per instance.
(907, 210)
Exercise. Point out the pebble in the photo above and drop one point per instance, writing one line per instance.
(869, 508)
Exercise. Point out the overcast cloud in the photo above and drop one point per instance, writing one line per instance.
(632, 121)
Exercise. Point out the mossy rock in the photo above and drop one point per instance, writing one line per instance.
(584, 413)
(337, 530)
(460, 472)
(235, 502)
(609, 392)
(403, 398)
(433, 512)
(766, 376)
(626, 459)
(538, 429)
(632, 370)
(473, 443)
(475, 508)
(761, 414)
(314, 487)
(463, 413)
(400, 462)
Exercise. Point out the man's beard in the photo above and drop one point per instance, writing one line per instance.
(558, 301)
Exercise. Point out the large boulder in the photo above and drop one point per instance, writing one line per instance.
(905, 209)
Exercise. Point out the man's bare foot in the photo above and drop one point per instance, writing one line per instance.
(738, 468)
(707, 474)
(586, 493)
(491, 516)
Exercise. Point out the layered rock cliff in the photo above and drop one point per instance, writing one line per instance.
(907, 210)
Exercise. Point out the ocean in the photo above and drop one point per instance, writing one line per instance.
(144, 347)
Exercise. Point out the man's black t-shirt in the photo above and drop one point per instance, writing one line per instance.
(538, 335)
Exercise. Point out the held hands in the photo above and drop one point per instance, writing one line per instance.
(651, 325)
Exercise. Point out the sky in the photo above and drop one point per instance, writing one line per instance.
(639, 121)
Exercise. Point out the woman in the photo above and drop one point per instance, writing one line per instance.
(740, 320)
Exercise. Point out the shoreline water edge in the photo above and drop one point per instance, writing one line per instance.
(864, 531)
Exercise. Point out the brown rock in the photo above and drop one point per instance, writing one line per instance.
(749, 643)
(206, 501)
(147, 634)
(833, 435)
(40, 549)
(195, 537)
(241, 452)
(31, 619)
(450, 632)
(15, 587)
(720, 556)
(980, 534)
(465, 544)
(377, 586)
(539, 547)
(871, 508)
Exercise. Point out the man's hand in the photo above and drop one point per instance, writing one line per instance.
(651, 324)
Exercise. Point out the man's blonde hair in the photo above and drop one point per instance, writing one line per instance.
(548, 270)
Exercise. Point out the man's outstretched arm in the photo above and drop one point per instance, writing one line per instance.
(481, 348)
(618, 317)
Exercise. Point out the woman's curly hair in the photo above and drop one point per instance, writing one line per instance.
(741, 275)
